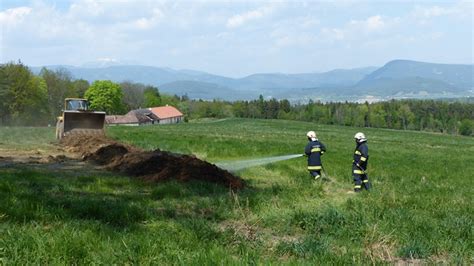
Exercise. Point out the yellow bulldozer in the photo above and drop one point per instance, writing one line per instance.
(78, 119)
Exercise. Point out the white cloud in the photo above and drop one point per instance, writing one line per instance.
(86, 8)
(241, 19)
(107, 60)
(302, 39)
(14, 16)
(294, 31)
(164, 32)
(435, 11)
(353, 30)
(375, 23)
(308, 22)
(223, 35)
(332, 34)
(149, 22)
(462, 9)
(175, 51)
(437, 35)
(372, 23)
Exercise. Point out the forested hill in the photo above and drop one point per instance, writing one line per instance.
(396, 79)
(457, 76)
(403, 77)
(203, 85)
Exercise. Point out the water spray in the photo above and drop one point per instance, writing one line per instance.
(239, 165)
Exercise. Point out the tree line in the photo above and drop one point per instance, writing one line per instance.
(30, 99)
(37, 100)
(426, 115)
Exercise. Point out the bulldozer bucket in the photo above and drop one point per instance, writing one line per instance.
(83, 122)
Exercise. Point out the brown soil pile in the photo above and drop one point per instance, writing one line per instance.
(147, 165)
(85, 144)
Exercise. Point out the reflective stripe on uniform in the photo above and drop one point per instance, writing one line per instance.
(362, 158)
(314, 167)
(358, 153)
(359, 172)
(315, 149)
(365, 181)
(357, 186)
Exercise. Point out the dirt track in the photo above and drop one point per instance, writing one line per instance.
(147, 165)
(51, 160)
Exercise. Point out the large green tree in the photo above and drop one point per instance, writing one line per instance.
(152, 97)
(5, 95)
(59, 86)
(105, 95)
(133, 94)
(36, 110)
(80, 87)
(24, 96)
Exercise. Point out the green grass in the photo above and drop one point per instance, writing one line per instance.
(420, 207)
(26, 138)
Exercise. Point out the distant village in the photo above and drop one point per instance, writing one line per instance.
(147, 116)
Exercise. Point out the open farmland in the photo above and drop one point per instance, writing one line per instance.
(420, 208)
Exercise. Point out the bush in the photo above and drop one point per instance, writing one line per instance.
(466, 127)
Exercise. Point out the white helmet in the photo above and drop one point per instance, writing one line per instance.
(311, 134)
(360, 137)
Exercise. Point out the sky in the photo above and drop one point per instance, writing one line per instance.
(236, 38)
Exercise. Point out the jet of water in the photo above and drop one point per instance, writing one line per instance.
(239, 165)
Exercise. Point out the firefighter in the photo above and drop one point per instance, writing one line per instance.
(359, 164)
(314, 149)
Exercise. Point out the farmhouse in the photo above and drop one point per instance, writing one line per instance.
(167, 114)
(133, 118)
(150, 116)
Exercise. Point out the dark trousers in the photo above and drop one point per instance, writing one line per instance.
(361, 180)
(315, 173)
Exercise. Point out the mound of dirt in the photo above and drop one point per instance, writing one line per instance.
(85, 144)
(152, 166)
(106, 154)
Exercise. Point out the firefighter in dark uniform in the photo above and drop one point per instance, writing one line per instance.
(314, 150)
(359, 164)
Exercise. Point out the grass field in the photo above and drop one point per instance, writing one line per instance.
(421, 207)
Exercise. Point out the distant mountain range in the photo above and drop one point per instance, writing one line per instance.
(396, 79)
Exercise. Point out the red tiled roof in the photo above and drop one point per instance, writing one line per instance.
(164, 112)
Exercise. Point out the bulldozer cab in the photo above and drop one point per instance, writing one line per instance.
(76, 104)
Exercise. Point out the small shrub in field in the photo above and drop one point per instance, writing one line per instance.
(466, 127)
